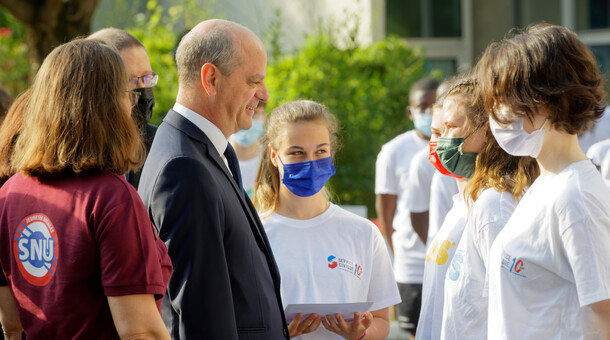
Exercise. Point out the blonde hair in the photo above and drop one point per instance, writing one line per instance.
(9, 131)
(267, 183)
(75, 121)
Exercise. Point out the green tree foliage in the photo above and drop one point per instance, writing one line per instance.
(156, 28)
(14, 66)
(366, 88)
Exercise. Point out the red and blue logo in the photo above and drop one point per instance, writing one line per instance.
(36, 249)
(345, 265)
(332, 264)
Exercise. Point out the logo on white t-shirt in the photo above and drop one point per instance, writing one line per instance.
(36, 249)
(513, 265)
(345, 265)
(439, 252)
(455, 268)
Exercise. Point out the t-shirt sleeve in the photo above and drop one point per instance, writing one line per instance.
(386, 180)
(420, 178)
(587, 252)
(131, 258)
(383, 290)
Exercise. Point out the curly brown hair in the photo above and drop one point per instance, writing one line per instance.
(546, 66)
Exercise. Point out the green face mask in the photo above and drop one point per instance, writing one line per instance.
(449, 150)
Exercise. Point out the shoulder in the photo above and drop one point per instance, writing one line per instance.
(493, 206)
(356, 223)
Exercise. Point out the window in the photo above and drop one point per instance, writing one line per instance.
(424, 18)
(529, 12)
(592, 14)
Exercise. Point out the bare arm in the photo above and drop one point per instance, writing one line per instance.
(419, 221)
(137, 317)
(601, 310)
(8, 315)
(385, 204)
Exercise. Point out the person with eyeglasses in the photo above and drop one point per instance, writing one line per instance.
(404, 221)
(79, 258)
(141, 82)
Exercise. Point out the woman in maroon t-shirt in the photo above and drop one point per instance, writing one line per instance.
(79, 256)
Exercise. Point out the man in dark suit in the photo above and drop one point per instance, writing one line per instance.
(225, 283)
(141, 80)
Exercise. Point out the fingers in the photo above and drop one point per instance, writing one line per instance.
(313, 322)
(309, 324)
(367, 320)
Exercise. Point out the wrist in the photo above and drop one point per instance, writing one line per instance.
(362, 336)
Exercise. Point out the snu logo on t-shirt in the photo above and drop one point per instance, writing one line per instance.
(36, 249)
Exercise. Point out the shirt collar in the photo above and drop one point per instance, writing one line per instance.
(212, 131)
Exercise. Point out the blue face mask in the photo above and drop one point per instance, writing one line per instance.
(307, 178)
(248, 137)
(423, 122)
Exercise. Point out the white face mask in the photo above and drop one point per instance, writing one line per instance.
(515, 140)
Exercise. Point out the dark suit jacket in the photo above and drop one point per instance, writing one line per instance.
(225, 283)
(149, 134)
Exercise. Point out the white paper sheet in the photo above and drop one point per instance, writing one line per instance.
(346, 310)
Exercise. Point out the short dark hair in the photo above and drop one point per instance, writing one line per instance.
(425, 84)
(115, 38)
(544, 66)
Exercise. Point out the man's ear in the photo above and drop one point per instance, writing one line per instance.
(209, 78)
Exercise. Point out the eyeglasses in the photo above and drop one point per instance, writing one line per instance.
(148, 80)
(133, 97)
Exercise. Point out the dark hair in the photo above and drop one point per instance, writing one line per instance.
(425, 84)
(5, 102)
(545, 66)
(115, 38)
(77, 119)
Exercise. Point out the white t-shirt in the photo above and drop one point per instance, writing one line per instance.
(442, 189)
(420, 179)
(248, 170)
(599, 132)
(551, 259)
(465, 301)
(440, 254)
(605, 165)
(392, 177)
(598, 151)
(336, 257)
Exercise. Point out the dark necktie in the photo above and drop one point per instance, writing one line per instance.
(234, 166)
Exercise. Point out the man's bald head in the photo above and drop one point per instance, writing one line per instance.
(213, 41)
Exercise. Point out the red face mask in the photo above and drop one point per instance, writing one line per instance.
(433, 158)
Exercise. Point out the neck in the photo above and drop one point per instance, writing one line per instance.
(421, 135)
(461, 183)
(301, 208)
(559, 150)
(245, 153)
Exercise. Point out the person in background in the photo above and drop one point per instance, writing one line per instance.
(456, 152)
(248, 148)
(442, 187)
(5, 102)
(9, 131)
(549, 275)
(311, 236)
(405, 231)
(142, 79)
(225, 284)
(498, 183)
(79, 257)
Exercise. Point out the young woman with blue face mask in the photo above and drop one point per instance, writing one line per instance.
(325, 254)
(549, 274)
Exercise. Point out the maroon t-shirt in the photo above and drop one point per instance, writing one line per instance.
(65, 245)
